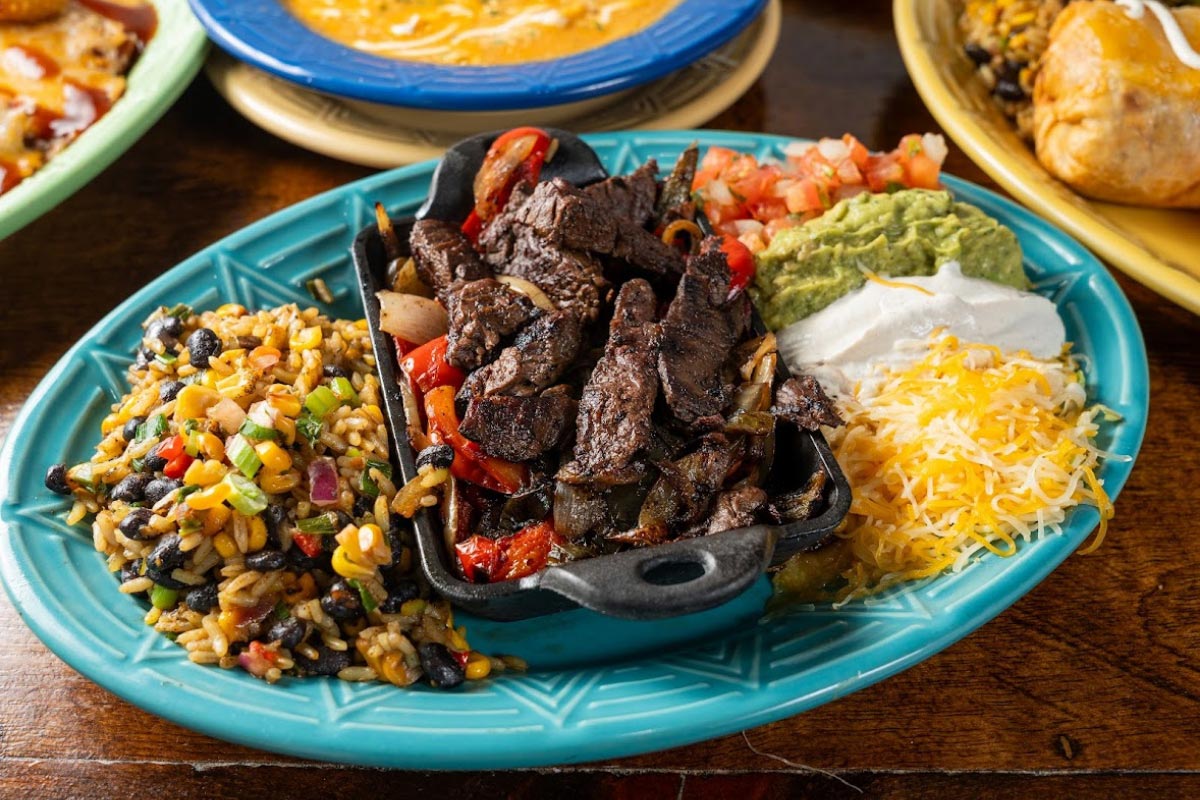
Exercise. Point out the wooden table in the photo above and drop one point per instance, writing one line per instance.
(1087, 687)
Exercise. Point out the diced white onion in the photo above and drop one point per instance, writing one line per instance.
(833, 149)
(719, 192)
(747, 226)
(935, 147)
(414, 319)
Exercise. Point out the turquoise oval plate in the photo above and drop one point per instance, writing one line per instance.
(160, 75)
(598, 688)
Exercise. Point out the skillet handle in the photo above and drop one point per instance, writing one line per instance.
(641, 584)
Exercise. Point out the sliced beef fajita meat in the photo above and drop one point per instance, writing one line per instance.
(574, 281)
(615, 411)
(736, 508)
(482, 313)
(675, 201)
(631, 195)
(537, 358)
(443, 255)
(804, 403)
(520, 428)
(700, 329)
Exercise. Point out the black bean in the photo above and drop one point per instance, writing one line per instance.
(153, 462)
(134, 524)
(343, 519)
(130, 429)
(202, 599)
(168, 390)
(288, 632)
(334, 371)
(202, 345)
(342, 601)
(165, 330)
(436, 456)
(398, 595)
(163, 578)
(266, 560)
(275, 516)
(1009, 90)
(131, 570)
(131, 488)
(166, 555)
(978, 53)
(327, 662)
(301, 562)
(363, 505)
(143, 358)
(159, 488)
(440, 667)
(56, 479)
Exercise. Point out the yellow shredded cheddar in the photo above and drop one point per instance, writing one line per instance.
(871, 276)
(969, 449)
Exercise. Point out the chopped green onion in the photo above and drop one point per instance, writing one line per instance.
(319, 290)
(166, 358)
(184, 491)
(344, 391)
(282, 611)
(190, 524)
(137, 465)
(171, 635)
(191, 445)
(321, 401)
(368, 600)
(321, 525)
(246, 497)
(181, 310)
(252, 430)
(163, 598)
(383, 466)
(242, 455)
(365, 483)
(310, 427)
(191, 425)
(152, 428)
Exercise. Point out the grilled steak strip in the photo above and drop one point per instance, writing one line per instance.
(538, 358)
(675, 201)
(804, 403)
(631, 195)
(444, 255)
(574, 281)
(481, 314)
(519, 428)
(698, 333)
(614, 413)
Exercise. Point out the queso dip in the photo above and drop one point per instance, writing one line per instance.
(477, 32)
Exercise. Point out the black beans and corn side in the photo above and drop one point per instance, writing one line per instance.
(243, 487)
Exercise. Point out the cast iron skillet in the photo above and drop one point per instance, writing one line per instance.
(664, 581)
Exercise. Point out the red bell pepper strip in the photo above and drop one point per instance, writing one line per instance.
(508, 558)
(174, 450)
(479, 558)
(309, 543)
(470, 462)
(427, 367)
(741, 264)
(514, 157)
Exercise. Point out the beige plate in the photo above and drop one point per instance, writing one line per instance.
(1157, 247)
(334, 127)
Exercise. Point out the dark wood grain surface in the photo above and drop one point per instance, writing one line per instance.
(1088, 687)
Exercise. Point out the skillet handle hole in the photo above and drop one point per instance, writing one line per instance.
(672, 573)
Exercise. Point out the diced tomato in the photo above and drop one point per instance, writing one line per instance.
(309, 543)
(858, 151)
(427, 367)
(461, 656)
(177, 466)
(172, 448)
(470, 462)
(741, 264)
(923, 172)
(264, 652)
(508, 558)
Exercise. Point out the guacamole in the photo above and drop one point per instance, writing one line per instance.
(909, 232)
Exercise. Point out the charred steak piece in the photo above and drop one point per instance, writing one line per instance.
(444, 255)
(804, 403)
(631, 195)
(538, 358)
(614, 412)
(698, 333)
(568, 218)
(519, 428)
(675, 201)
(481, 314)
(574, 281)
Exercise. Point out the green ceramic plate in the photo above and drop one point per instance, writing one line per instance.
(160, 75)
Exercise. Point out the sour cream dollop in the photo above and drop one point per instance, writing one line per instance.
(888, 324)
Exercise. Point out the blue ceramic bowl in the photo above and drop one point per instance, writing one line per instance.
(267, 35)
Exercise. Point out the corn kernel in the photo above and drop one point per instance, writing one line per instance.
(412, 608)
(478, 667)
(305, 588)
(209, 379)
(228, 625)
(457, 641)
(287, 429)
(204, 473)
(225, 545)
(258, 535)
(343, 566)
(283, 401)
(110, 424)
(231, 310)
(236, 386)
(306, 339)
(279, 484)
(208, 498)
(215, 519)
(274, 457)
(372, 411)
(211, 445)
(194, 400)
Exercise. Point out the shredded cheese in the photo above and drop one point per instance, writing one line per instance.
(871, 276)
(969, 449)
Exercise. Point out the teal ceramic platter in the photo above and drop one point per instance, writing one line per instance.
(160, 75)
(597, 688)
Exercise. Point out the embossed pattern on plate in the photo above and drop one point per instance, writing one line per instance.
(584, 699)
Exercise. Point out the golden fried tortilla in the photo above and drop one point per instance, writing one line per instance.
(1116, 113)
